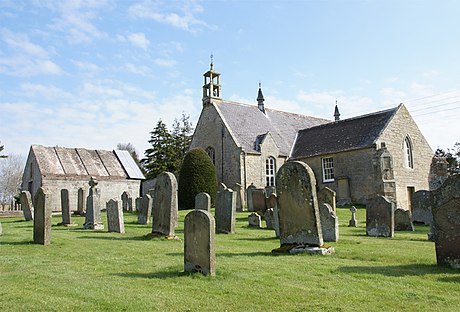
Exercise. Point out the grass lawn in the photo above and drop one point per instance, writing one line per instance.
(100, 271)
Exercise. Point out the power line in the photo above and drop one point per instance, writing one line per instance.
(440, 111)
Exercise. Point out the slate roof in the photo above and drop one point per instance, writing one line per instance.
(80, 162)
(247, 122)
(344, 135)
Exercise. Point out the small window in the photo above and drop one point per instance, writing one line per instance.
(408, 158)
(270, 169)
(328, 169)
(212, 154)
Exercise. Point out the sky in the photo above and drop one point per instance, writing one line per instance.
(95, 73)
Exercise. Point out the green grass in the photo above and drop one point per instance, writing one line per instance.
(100, 271)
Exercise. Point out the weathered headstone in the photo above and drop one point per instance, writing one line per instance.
(26, 204)
(380, 217)
(137, 203)
(274, 223)
(225, 210)
(165, 209)
(353, 222)
(203, 201)
(268, 216)
(327, 196)
(300, 225)
(81, 207)
(42, 218)
(249, 203)
(115, 221)
(255, 220)
(446, 221)
(93, 208)
(199, 242)
(237, 188)
(258, 201)
(329, 223)
(65, 207)
(269, 190)
(403, 220)
(145, 210)
(421, 207)
(127, 201)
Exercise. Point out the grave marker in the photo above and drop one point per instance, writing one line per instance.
(42, 218)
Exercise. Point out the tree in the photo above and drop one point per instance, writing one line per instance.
(452, 157)
(161, 156)
(1, 149)
(182, 137)
(11, 169)
(131, 149)
(197, 175)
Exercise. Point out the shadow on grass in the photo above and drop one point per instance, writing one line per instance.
(251, 254)
(137, 238)
(158, 275)
(400, 270)
(17, 243)
(259, 238)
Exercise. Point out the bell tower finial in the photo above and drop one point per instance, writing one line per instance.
(211, 86)
(336, 112)
(260, 99)
(212, 63)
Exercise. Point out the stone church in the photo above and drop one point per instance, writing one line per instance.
(380, 153)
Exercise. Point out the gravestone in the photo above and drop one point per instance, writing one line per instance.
(225, 210)
(203, 201)
(421, 207)
(165, 210)
(237, 188)
(300, 226)
(65, 208)
(115, 221)
(1, 229)
(249, 190)
(269, 190)
(446, 222)
(93, 208)
(145, 210)
(327, 196)
(329, 223)
(353, 222)
(127, 202)
(255, 220)
(258, 201)
(42, 218)
(81, 202)
(403, 220)
(272, 203)
(268, 216)
(137, 203)
(380, 217)
(26, 204)
(199, 242)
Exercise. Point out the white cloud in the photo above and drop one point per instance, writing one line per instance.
(44, 91)
(139, 40)
(90, 89)
(138, 70)
(21, 43)
(164, 62)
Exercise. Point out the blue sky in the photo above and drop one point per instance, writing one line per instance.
(96, 73)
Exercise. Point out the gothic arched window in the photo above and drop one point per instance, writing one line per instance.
(408, 156)
(270, 170)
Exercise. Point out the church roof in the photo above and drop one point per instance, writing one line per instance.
(247, 122)
(344, 135)
(80, 162)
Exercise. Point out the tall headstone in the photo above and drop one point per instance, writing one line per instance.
(446, 222)
(225, 210)
(403, 220)
(327, 196)
(203, 201)
(115, 221)
(272, 203)
(93, 219)
(258, 201)
(65, 207)
(268, 216)
(421, 207)
(237, 188)
(380, 217)
(165, 209)
(127, 201)
(250, 203)
(26, 204)
(199, 242)
(81, 203)
(353, 222)
(255, 220)
(298, 207)
(145, 210)
(137, 202)
(329, 223)
(42, 218)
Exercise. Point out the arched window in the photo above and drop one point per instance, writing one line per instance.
(408, 158)
(212, 154)
(270, 169)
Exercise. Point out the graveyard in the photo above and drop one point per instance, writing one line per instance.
(97, 270)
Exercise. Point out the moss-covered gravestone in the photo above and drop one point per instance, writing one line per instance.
(165, 209)
(380, 217)
(26, 205)
(115, 221)
(225, 210)
(42, 218)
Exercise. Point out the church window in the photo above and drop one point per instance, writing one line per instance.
(328, 169)
(408, 158)
(270, 171)
(212, 154)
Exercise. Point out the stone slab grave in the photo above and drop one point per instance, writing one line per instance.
(421, 207)
(115, 221)
(258, 201)
(203, 201)
(446, 221)
(42, 218)
(26, 204)
(93, 219)
(327, 196)
(199, 242)
(271, 215)
(145, 209)
(380, 217)
(126, 202)
(255, 220)
(403, 220)
(81, 203)
(225, 213)
(300, 225)
(329, 223)
(353, 222)
(250, 203)
(65, 209)
(165, 209)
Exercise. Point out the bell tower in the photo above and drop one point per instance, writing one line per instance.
(211, 87)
